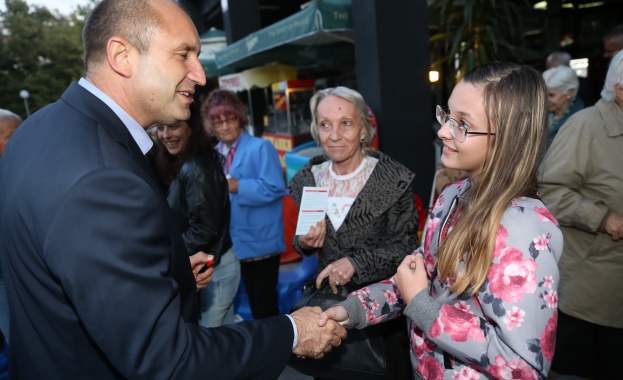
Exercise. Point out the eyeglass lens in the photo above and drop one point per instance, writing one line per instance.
(228, 120)
(456, 132)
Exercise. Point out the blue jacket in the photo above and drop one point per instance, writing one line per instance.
(256, 225)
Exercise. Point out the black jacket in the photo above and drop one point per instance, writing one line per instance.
(199, 198)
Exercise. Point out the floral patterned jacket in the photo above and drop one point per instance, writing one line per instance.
(507, 330)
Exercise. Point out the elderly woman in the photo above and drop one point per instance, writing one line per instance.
(256, 190)
(562, 89)
(581, 185)
(371, 222)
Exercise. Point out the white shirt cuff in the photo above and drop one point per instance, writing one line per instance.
(296, 331)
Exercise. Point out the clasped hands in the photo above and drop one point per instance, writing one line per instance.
(410, 278)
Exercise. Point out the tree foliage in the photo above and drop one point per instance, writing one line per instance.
(40, 51)
(469, 33)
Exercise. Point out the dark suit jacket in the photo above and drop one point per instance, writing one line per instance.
(99, 286)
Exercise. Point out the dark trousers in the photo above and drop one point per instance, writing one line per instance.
(585, 349)
(260, 280)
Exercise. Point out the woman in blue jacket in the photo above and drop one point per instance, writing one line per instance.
(256, 190)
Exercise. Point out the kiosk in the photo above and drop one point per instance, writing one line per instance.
(289, 117)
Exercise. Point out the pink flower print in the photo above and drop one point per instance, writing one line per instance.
(460, 325)
(548, 337)
(551, 299)
(545, 215)
(466, 373)
(429, 368)
(429, 261)
(463, 306)
(391, 297)
(432, 226)
(540, 242)
(513, 369)
(436, 328)
(500, 241)
(362, 297)
(420, 343)
(548, 282)
(514, 318)
(370, 316)
(512, 277)
(374, 305)
(439, 203)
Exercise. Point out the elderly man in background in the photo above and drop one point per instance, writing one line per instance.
(581, 185)
(8, 124)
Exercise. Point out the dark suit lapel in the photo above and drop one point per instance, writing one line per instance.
(120, 149)
(88, 104)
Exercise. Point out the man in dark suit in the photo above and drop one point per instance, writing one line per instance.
(98, 283)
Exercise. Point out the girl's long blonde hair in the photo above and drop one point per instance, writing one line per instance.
(515, 101)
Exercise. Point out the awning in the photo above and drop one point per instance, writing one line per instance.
(258, 77)
(209, 66)
(322, 30)
(211, 41)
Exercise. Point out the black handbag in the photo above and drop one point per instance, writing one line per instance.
(376, 352)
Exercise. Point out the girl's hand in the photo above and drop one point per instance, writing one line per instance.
(411, 276)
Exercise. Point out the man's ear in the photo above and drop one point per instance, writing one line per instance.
(119, 58)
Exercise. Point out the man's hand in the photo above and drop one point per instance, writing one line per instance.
(197, 262)
(314, 239)
(339, 272)
(411, 276)
(614, 225)
(314, 340)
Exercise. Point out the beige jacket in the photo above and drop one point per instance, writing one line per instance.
(582, 181)
(446, 176)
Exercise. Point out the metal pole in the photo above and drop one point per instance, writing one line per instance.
(24, 94)
(26, 105)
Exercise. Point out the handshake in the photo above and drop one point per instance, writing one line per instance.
(318, 332)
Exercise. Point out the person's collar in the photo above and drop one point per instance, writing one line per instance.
(139, 135)
(222, 148)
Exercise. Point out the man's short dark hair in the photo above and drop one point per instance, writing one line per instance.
(134, 20)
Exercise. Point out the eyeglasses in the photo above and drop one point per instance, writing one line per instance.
(220, 123)
(458, 129)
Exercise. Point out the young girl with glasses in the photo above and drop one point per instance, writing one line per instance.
(481, 292)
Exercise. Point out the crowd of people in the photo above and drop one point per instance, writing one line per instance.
(121, 254)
